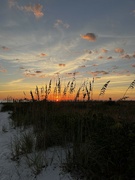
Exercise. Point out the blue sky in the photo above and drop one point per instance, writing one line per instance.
(41, 39)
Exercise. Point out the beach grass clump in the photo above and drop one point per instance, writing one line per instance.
(103, 149)
(36, 161)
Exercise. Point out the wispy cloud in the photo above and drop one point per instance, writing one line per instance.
(11, 3)
(16, 81)
(35, 9)
(2, 69)
(96, 73)
(61, 23)
(5, 48)
(89, 36)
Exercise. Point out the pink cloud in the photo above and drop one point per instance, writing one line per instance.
(104, 50)
(119, 50)
(89, 36)
(62, 65)
(43, 55)
(100, 57)
(36, 9)
(95, 73)
(110, 57)
(133, 65)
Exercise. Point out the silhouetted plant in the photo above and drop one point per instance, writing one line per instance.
(103, 89)
(72, 85)
(131, 86)
(37, 93)
(32, 97)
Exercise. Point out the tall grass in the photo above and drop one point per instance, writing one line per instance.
(101, 137)
(131, 86)
(103, 89)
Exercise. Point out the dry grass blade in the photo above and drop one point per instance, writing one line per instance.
(131, 86)
(102, 92)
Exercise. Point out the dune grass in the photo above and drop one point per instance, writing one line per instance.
(101, 135)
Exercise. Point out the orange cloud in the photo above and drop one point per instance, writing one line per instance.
(119, 50)
(100, 57)
(110, 57)
(89, 36)
(62, 65)
(36, 9)
(104, 50)
(43, 54)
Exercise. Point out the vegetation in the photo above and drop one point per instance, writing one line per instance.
(101, 136)
(98, 136)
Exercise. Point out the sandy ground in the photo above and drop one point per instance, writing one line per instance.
(11, 170)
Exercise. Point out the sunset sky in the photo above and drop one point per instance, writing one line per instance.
(46, 39)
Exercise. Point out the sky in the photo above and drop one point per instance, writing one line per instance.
(43, 40)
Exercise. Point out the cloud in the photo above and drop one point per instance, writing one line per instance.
(126, 56)
(38, 72)
(133, 56)
(11, 3)
(2, 69)
(83, 66)
(96, 73)
(133, 65)
(43, 55)
(61, 23)
(89, 36)
(100, 57)
(95, 65)
(62, 65)
(36, 9)
(5, 48)
(110, 57)
(16, 81)
(119, 50)
(104, 50)
(133, 12)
